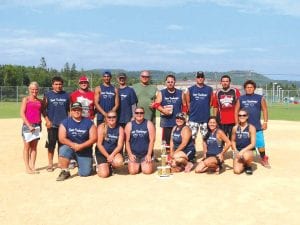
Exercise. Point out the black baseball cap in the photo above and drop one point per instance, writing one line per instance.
(76, 105)
(200, 74)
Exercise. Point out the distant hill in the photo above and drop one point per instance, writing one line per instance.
(238, 76)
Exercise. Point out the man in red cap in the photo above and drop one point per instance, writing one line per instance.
(85, 96)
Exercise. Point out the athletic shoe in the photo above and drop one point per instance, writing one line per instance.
(248, 170)
(72, 164)
(63, 175)
(265, 162)
(126, 160)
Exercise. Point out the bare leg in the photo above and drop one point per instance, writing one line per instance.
(201, 167)
(147, 167)
(118, 161)
(133, 167)
(64, 162)
(103, 170)
(26, 150)
(33, 153)
(50, 160)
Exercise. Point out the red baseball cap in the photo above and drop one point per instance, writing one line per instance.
(83, 79)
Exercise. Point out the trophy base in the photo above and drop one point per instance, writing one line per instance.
(164, 171)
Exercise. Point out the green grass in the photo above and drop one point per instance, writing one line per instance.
(284, 111)
(289, 112)
(9, 110)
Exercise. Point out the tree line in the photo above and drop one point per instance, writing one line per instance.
(18, 75)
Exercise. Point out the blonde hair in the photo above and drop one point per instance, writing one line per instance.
(105, 126)
(33, 83)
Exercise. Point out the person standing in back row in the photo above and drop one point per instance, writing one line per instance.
(254, 104)
(146, 93)
(199, 100)
(57, 106)
(106, 98)
(169, 102)
(85, 96)
(128, 101)
(224, 105)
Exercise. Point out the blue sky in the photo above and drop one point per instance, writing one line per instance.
(177, 35)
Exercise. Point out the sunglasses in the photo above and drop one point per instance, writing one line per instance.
(145, 76)
(200, 76)
(180, 118)
(141, 113)
(76, 110)
(111, 117)
(242, 115)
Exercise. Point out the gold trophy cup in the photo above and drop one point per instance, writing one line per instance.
(164, 170)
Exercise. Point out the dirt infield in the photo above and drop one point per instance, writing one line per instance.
(269, 196)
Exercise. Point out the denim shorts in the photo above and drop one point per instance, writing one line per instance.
(84, 159)
(25, 128)
(260, 139)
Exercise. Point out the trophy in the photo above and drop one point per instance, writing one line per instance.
(164, 170)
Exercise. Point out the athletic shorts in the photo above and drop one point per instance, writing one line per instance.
(227, 128)
(100, 158)
(166, 134)
(52, 138)
(140, 159)
(260, 139)
(196, 126)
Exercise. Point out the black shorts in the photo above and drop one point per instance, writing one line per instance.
(100, 158)
(227, 128)
(166, 134)
(52, 139)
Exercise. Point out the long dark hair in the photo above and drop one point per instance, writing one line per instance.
(209, 131)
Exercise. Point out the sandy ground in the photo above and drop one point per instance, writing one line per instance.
(269, 196)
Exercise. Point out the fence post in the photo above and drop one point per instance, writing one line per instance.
(17, 93)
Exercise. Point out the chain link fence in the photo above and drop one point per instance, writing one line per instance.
(16, 93)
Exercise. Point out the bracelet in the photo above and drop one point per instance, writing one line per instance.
(265, 121)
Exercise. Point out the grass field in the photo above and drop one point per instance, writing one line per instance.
(289, 112)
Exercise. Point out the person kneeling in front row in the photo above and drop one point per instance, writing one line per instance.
(77, 136)
(110, 144)
(213, 149)
(182, 147)
(243, 143)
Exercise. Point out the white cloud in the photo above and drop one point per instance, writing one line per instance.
(281, 7)
(285, 7)
(28, 46)
(174, 27)
(206, 50)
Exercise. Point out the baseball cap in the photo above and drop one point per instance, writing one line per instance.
(122, 75)
(200, 74)
(106, 73)
(83, 79)
(76, 105)
(180, 116)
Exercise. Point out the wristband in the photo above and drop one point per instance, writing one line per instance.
(155, 105)
(184, 108)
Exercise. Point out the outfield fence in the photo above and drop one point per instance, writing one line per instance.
(16, 93)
